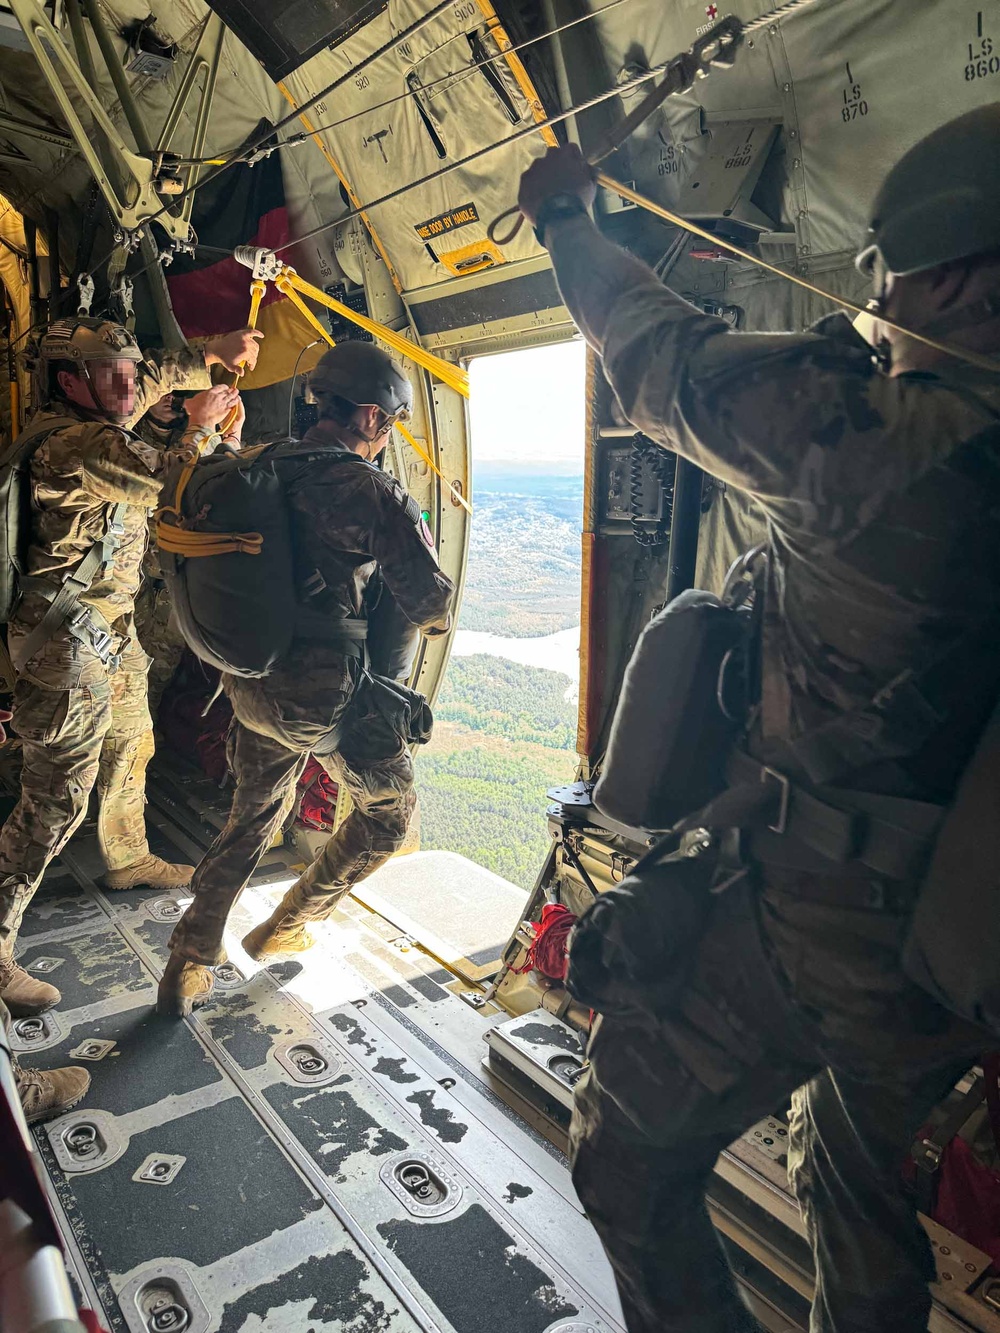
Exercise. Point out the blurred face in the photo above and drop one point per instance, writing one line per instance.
(114, 386)
(166, 410)
(110, 389)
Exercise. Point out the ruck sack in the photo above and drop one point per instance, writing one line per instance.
(227, 556)
(15, 507)
(683, 705)
(952, 950)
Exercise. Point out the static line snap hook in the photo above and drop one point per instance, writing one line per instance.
(85, 293)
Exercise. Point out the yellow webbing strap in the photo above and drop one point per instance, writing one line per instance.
(284, 284)
(172, 536)
(422, 453)
(448, 373)
(258, 290)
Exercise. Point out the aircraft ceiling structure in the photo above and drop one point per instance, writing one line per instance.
(818, 104)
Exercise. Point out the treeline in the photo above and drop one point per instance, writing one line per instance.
(506, 699)
(488, 803)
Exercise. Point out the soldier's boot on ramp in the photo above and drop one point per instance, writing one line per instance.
(24, 995)
(49, 1092)
(149, 872)
(184, 986)
(282, 935)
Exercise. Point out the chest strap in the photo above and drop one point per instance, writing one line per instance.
(64, 598)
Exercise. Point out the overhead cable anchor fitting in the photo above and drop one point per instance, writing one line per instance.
(263, 264)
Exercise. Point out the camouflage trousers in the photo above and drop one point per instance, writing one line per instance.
(786, 998)
(269, 746)
(161, 640)
(73, 739)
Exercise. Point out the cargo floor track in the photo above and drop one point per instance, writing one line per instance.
(322, 1147)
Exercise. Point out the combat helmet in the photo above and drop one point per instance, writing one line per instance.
(941, 201)
(365, 375)
(82, 338)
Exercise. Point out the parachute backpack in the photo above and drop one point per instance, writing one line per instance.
(224, 535)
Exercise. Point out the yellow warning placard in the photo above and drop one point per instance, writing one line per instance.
(444, 222)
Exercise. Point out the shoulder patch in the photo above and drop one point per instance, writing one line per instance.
(402, 497)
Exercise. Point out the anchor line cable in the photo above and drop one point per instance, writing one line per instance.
(257, 140)
(534, 128)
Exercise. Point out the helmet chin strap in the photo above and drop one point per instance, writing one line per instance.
(371, 439)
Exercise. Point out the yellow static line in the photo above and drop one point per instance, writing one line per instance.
(422, 453)
(446, 371)
(284, 285)
(633, 196)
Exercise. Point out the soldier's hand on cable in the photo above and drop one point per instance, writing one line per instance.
(208, 408)
(232, 350)
(233, 438)
(5, 716)
(563, 170)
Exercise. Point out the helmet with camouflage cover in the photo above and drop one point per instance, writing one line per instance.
(365, 375)
(941, 201)
(82, 338)
(80, 342)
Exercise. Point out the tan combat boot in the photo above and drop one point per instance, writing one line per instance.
(184, 986)
(280, 936)
(149, 873)
(24, 995)
(49, 1092)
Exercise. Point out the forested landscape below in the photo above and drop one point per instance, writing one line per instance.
(504, 732)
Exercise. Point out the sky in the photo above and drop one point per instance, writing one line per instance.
(529, 406)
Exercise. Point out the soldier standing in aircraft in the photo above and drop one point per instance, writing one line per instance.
(882, 496)
(351, 521)
(80, 698)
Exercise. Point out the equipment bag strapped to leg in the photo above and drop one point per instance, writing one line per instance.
(227, 556)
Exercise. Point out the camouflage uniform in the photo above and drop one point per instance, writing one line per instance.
(159, 637)
(351, 520)
(882, 499)
(81, 723)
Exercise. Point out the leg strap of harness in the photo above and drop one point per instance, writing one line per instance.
(65, 607)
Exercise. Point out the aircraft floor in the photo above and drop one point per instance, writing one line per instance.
(246, 1170)
(240, 1172)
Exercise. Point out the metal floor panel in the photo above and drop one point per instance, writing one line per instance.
(321, 1148)
(235, 1183)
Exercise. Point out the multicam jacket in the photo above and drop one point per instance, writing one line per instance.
(77, 474)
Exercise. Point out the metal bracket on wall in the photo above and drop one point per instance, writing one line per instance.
(139, 198)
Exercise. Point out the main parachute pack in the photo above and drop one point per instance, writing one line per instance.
(227, 556)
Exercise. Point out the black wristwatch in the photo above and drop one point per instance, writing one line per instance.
(553, 209)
